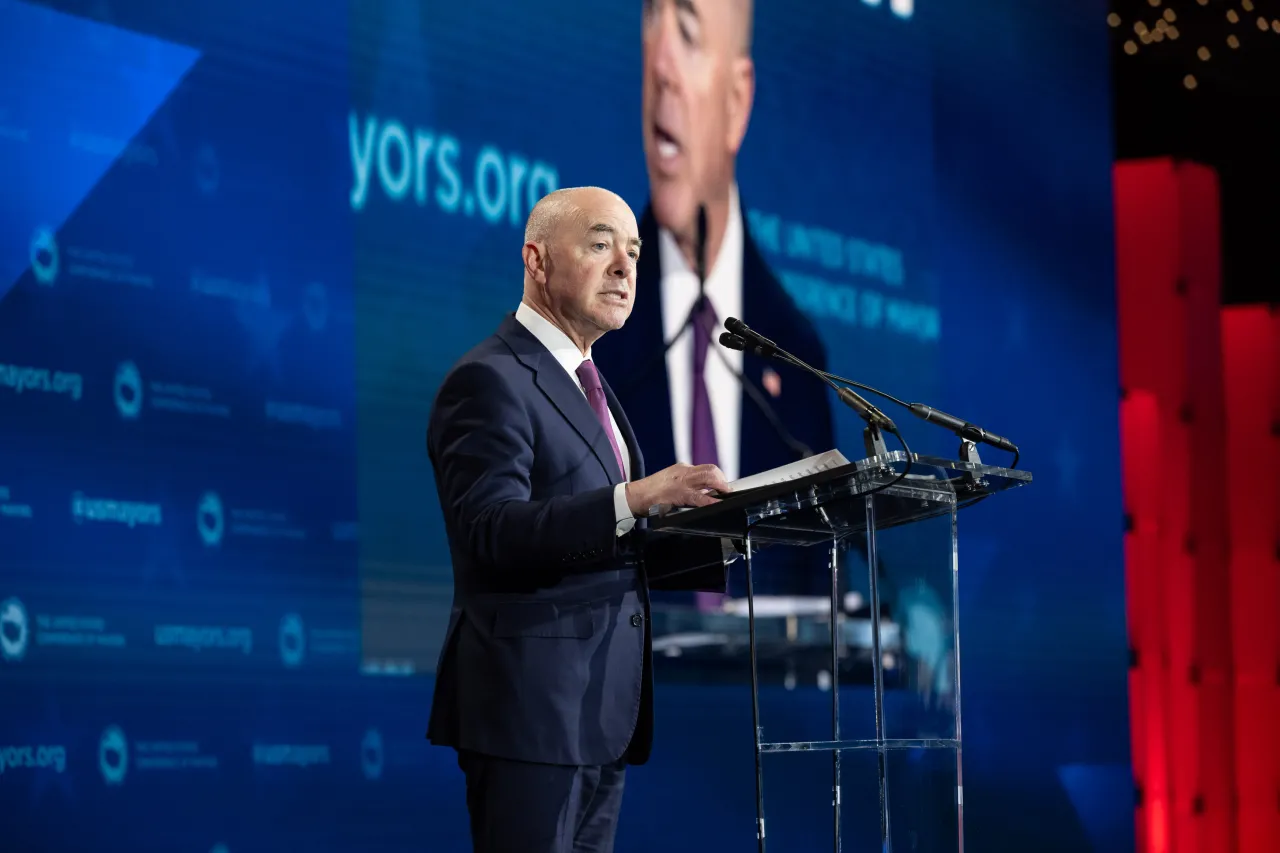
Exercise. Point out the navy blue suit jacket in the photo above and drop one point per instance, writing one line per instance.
(547, 657)
(635, 361)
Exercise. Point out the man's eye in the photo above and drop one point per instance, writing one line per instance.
(599, 246)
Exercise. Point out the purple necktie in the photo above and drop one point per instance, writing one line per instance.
(703, 446)
(590, 379)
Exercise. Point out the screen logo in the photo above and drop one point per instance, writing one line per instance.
(14, 630)
(113, 755)
(128, 390)
(44, 257)
(293, 640)
(209, 519)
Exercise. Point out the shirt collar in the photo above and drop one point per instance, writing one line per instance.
(564, 351)
(673, 261)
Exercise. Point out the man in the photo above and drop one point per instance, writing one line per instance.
(698, 88)
(544, 683)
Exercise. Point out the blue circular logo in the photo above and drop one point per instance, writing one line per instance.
(209, 519)
(14, 631)
(44, 256)
(293, 640)
(128, 390)
(113, 755)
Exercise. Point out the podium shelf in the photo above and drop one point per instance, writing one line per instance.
(816, 508)
(843, 745)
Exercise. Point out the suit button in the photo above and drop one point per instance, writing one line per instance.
(637, 620)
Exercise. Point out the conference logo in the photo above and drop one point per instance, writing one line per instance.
(293, 640)
(14, 630)
(372, 755)
(209, 519)
(44, 257)
(113, 755)
(127, 390)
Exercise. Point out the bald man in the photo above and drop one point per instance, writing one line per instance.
(698, 89)
(544, 684)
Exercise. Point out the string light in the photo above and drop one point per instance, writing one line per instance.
(1168, 23)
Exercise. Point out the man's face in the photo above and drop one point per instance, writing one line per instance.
(696, 101)
(591, 265)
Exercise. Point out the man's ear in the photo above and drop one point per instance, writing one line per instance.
(535, 262)
(742, 93)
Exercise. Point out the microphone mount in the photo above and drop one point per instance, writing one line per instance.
(740, 337)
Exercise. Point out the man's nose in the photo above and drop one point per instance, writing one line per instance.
(662, 37)
(622, 267)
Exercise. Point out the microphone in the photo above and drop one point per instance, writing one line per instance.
(741, 336)
(729, 340)
(758, 345)
(962, 428)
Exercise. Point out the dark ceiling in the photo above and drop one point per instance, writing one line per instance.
(1227, 115)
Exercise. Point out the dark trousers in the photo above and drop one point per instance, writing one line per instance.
(517, 807)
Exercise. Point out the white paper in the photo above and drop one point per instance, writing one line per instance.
(791, 471)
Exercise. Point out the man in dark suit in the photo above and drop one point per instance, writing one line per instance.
(544, 684)
(698, 88)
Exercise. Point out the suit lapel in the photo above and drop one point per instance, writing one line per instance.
(563, 392)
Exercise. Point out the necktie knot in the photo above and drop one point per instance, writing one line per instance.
(589, 376)
(706, 314)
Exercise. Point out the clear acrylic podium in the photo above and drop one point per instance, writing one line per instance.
(903, 511)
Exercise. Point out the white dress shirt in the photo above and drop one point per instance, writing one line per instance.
(568, 356)
(679, 288)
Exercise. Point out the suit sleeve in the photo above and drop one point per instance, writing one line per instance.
(480, 441)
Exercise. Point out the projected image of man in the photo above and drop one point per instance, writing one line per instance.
(698, 90)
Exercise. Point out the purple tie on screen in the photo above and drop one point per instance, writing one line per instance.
(590, 379)
(703, 445)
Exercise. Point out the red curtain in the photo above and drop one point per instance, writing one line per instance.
(1201, 575)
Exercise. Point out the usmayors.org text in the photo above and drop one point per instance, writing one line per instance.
(423, 166)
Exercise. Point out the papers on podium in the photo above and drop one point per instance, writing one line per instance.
(791, 471)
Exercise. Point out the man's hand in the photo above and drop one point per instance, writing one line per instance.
(679, 485)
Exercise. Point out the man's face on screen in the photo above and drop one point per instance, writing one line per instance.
(696, 101)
